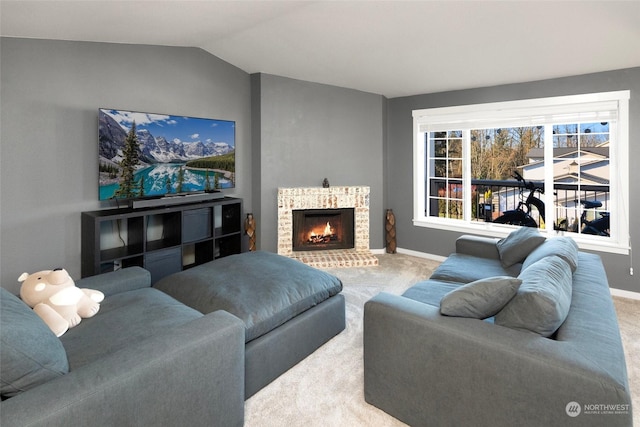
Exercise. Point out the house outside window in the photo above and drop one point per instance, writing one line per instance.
(559, 164)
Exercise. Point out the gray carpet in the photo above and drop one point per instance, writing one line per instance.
(326, 389)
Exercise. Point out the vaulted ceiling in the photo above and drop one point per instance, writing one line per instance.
(393, 48)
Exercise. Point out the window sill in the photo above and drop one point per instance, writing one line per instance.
(593, 243)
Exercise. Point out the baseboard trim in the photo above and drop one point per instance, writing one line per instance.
(615, 292)
(625, 294)
(421, 254)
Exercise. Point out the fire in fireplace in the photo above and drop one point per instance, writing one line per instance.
(323, 229)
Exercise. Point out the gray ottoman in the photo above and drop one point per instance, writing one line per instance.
(289, 309)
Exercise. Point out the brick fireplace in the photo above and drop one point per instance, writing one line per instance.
(327, 242)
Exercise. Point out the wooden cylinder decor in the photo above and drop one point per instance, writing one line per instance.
(250, 230)
(391, 232)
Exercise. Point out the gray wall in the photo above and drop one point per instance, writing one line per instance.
(51, 91)
(400, 154)
(289, 133)
(300, 133)
(309, 131)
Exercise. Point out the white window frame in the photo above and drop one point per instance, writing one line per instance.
(530, 112)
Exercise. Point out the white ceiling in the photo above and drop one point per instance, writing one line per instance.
(393, 48)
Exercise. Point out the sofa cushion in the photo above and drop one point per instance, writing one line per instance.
(543, 300)
(464, 268)
(480, 299)
(518, 244)
(430, 291)
(30, 353)
(124, 318)
(263, 289)
(564, 247)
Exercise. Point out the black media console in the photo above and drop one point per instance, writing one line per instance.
(164, 239)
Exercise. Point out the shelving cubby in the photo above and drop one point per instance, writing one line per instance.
(163, 240)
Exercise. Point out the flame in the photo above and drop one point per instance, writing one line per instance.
(327, 230)
(319, 235)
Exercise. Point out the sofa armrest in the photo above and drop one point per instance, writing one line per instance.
(114, 282)
(192, 375)
(427, 369)
(484, 247)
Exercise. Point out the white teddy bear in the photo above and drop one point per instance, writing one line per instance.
(54, 297)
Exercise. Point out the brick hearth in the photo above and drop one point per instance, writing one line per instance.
(326, 198)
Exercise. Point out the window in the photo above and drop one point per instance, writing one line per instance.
(558, 164)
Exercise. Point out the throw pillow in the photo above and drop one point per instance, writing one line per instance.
(542, 303)
(564, 247)
(518, 244)
(30, 354)
(480, 299)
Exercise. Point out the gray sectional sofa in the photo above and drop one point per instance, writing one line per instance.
(148, 359)
(144, 359)
(518, 331)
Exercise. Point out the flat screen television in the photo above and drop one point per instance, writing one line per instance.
(148, 155)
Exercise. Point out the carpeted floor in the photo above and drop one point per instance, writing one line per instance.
(326, 389)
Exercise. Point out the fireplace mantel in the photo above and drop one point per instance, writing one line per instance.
(356, 197)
